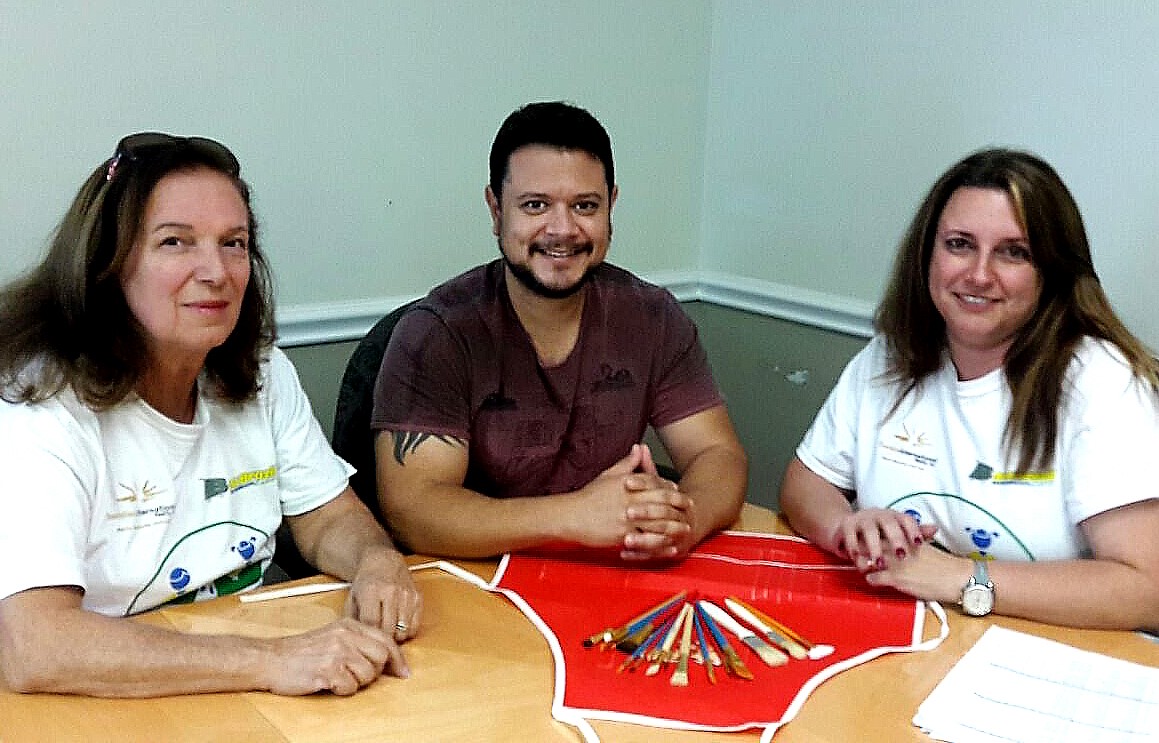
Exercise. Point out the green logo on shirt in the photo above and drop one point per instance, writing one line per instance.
(215, 486)
(982, 472)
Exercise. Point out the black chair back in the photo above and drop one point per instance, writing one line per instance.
(352, 438)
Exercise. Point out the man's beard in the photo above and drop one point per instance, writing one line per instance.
(525, 276)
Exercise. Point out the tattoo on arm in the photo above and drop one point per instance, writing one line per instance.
(405, 442)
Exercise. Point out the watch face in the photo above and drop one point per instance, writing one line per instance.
(977, 600)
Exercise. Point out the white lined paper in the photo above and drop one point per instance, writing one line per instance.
(1012, 687)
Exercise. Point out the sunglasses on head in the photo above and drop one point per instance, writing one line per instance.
(136, 147)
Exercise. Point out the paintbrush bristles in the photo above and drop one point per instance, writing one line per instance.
(665, 648)
(680, 677)
(770, 655)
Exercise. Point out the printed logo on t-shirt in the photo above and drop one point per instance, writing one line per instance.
(609, 381)
(982, 471)
(253, 477)
(215, 486)
(985, 472)
(983, 540)
(135, 503)
(978, 532)
(903, 448)
(187, 569)
(980, 539)
(1023, 478)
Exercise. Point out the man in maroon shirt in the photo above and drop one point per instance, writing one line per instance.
(512, 399)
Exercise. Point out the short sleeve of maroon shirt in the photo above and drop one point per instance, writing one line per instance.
(461, 365)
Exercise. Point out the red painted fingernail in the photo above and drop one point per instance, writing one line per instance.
(900, 553)
(880, 563)
(918, 540)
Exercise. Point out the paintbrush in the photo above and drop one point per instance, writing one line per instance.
(706, 652)
(633, 641)
(638, 654)
(732, 661)
(680, 675)
(661, 656)
(756, 620)
(615, 634)
(766, 652)
(640, 631)
(813, 651)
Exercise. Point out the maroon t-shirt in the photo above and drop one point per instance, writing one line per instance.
(460, 364)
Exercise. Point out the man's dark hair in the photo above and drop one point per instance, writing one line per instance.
(555, 124)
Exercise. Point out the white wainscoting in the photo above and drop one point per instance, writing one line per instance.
(307, 325)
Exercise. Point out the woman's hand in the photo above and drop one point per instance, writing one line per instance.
(872, 537)
(341, 658)
(384, 595)
(926, 573)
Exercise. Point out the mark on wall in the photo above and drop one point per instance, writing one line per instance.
(799, 377)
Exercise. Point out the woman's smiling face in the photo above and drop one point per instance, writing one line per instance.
(185, 278)
(982, 277)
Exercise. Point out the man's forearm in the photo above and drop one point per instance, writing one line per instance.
(716, 480)
(453, 521)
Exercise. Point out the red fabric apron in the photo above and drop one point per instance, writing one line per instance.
(569, 595)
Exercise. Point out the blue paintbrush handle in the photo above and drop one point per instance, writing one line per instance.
(660, 611)
(700, 634)
(654, 638)
(712, 628)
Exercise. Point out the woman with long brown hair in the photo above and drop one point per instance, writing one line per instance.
(992, 445)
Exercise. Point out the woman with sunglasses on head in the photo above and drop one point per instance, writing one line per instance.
(993, 445)
(153, 438)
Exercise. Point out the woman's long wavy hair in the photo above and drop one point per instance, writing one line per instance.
(1072, 304)
(66, 323)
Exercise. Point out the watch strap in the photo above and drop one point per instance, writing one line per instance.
(982, 573)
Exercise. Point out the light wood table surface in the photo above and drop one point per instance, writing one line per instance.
(482, 672)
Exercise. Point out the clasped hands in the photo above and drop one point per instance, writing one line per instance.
(892, 549)
(632, 507)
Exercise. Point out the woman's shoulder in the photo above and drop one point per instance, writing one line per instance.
(867, 374)
(1097, 357)
(62, 415)
(873, 360)
(277, 362)
(1099, 371)
(278, 377)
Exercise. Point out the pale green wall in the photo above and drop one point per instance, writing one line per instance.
(774, 375)
(828, 121)
(363, 126)
(320, 368)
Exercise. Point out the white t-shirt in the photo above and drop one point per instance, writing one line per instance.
(940, 459)
(138, 509)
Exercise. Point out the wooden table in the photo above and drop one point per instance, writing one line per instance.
(482, 672)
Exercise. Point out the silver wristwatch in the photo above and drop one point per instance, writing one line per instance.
(978, 594)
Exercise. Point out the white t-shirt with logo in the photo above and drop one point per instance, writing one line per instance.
(939, 457)
(138, 509)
